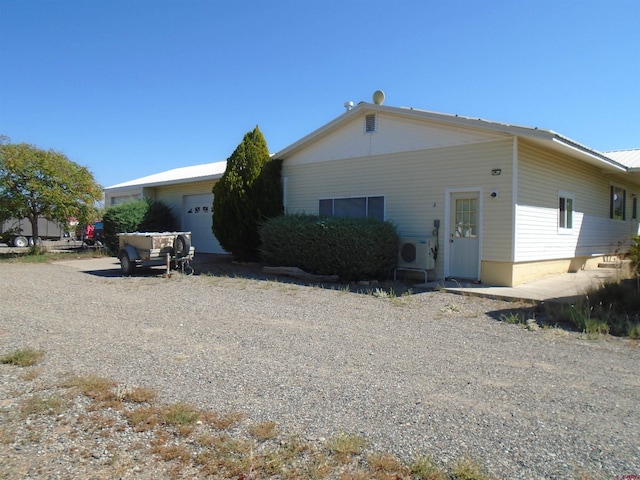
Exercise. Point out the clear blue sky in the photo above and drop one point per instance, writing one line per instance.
(135, 87)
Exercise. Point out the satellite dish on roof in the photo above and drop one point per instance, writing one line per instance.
(378, 97)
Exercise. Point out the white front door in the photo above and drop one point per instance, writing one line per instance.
(197, 218)
(464, 235)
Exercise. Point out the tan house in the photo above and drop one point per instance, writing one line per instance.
(473, 199)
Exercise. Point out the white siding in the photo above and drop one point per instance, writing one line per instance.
(541, 176)
(174, 196)
(413, 184)
(392, 134)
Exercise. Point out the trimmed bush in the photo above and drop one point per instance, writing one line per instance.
(145, 215)
(352, 248)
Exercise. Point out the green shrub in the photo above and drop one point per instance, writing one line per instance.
(144, 215)
(248, 192)
(353, 249)
(634, 255)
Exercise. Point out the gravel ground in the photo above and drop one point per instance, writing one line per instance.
(431, 373)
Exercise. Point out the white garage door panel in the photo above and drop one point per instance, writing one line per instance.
(197, 219)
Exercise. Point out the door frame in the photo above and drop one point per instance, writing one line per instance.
(449, 192)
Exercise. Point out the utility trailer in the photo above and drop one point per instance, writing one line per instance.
(18, 232)
(147, 249)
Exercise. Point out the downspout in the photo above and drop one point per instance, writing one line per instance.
(514, 200)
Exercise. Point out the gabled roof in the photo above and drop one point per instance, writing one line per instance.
(204, 172)
(548, 138)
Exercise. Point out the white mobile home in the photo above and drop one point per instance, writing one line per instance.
(503, 204)
(187, 190)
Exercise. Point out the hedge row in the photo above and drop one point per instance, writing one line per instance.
(144, 215)
(354, 249)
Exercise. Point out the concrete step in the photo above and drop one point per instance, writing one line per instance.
(619, 264)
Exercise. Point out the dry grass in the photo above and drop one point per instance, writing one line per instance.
(182, 440)
(425, 469)
(41, 405)
(221, 421)
(264, 430)
(386, 465)
(468, 469)
(24, 357)
(345, 446)
(98, 389)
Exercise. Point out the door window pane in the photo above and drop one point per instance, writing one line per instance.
(466, 217)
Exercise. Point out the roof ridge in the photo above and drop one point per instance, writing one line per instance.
(622, 150)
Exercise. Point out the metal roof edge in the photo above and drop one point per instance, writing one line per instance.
(156, 179)
(589, 151)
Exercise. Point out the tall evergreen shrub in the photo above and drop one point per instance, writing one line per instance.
(248, 192)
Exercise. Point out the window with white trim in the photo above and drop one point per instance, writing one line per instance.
(617, 203)
(354, 207)
(565, 210)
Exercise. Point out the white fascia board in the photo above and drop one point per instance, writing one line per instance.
(316, 133)
(129, 186)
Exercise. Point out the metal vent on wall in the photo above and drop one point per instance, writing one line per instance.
(370, 123)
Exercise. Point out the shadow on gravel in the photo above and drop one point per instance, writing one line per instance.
(225, 266)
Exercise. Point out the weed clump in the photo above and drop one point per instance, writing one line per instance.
(612, 308)
(24, 357)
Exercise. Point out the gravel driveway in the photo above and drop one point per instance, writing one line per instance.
(432, 373)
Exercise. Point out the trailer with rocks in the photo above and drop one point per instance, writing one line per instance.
(148, 249)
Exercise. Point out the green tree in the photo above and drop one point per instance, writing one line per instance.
(37, 183)
(246, 195)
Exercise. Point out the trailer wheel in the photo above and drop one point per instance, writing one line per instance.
(181, 246)
(126, 265)
(20, 241)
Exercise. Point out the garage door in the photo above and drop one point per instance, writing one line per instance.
(197, 217)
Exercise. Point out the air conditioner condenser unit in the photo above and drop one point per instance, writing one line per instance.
(416, 253)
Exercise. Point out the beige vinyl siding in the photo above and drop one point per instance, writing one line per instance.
(392, 134)
(173, 194)
(542, 174)
(413, 184)
(122, 196)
